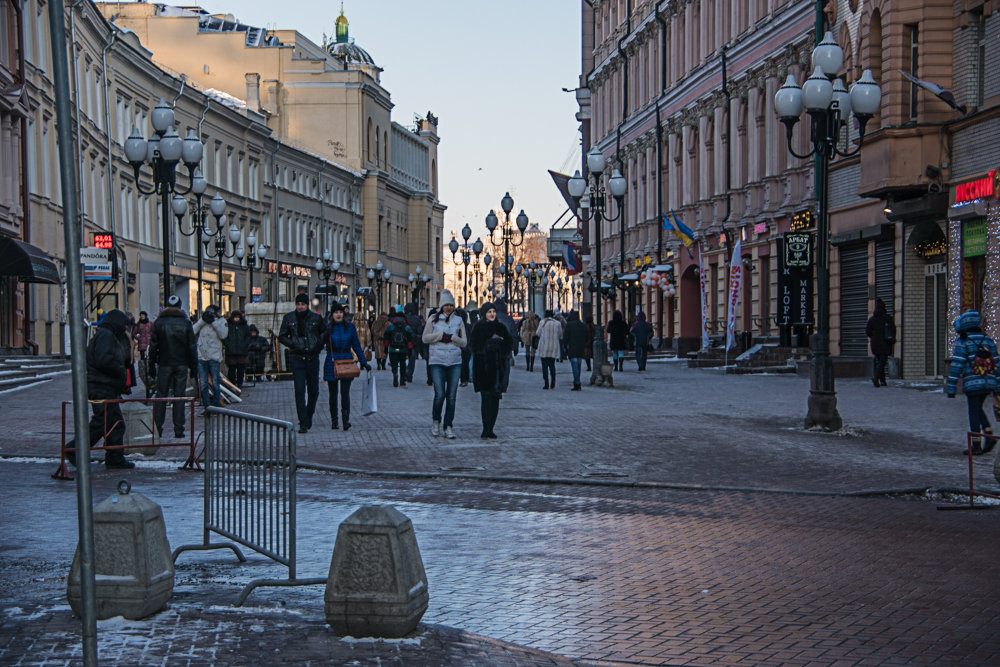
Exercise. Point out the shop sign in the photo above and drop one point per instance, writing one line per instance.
(974, 238)
(795, 281)
(760, 228)
(987, 187)
(228, 281)
(798, 250)
(289, 270)
(97, 264)
(104, 241)
(803, 220)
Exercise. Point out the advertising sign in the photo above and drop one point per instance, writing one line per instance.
(97, 264)
(795, 279)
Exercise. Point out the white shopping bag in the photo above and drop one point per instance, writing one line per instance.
(369, 400)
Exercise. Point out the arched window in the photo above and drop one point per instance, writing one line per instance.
(378, 152)
(368, 143)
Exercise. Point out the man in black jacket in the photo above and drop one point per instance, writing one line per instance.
(303, 332)
(107, 359)
(172, 357)
(575, 340)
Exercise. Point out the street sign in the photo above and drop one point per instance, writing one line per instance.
(97, 264)
(95, 256)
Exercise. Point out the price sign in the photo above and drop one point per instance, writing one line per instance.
(104, 241)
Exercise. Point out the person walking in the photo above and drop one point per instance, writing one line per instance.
(575, 341)
(529, 338)
(142, 333)
(881, 332)
(416, 324)
(974, 360)
(210, 331)
(618, 339)
(237, 348)
(379, 326)
(398, 339)
(172, 358)
(257, 350)
(303, 332)
(549, 340)
(642, 335)
(108, 355)
(342, 343)
(445, 336)
(490, 342)
(588, 351)
(469, 315)
(364, 333)
(505, 319)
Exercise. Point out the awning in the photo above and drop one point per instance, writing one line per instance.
(629, 276)
(27, 262)
(663, 268)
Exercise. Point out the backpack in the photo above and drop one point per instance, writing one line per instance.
(982, 363)
(398, 338)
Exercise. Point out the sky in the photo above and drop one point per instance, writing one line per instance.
(491, 71)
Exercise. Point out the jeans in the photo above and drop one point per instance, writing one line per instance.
(617, 354)
(412, 363)
(210, 368)
(170, 381)
(445, 379)
(641, 354)
(574, 363)
(548, 366)
(978, 423)
(305, 375)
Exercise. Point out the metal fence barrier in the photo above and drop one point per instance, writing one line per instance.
(985, 439)
(250, 491)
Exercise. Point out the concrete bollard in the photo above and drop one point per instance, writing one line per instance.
(139, 427)
(132, 563)
(377, 586)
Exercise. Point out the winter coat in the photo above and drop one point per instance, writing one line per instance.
(172, 342)
(575, 337)
(490, 343)
(881, 332)
(395, 324)
(341, 343)
(364, 332)
(379, 326)
(257, 348)
(210, 337)
(237, 341)
(549, 336)
(529, 327)
(504, 318)
(971, 341)
(617, 332)
(108, 357)
(142, 333)
(439, 352)
(641, 332)
(415, 323)
(309, 343)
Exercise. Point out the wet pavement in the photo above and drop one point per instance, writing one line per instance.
(694, 531)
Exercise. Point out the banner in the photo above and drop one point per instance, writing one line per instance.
(735, 283)
(705, 342)
(795, 278)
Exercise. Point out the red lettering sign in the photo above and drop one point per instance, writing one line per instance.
(104, 241)
(981, 188)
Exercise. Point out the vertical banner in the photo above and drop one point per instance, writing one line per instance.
(705, 342)
(735, 282)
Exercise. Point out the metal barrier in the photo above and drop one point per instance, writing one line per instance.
(250, 490)
(972, 491)
(62, 472)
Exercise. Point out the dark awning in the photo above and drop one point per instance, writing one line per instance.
(27, 262)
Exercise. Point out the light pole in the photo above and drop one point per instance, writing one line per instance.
(454, 246)
(255, 256)
(220, 247)
(418, 281)
(163, 152)
(379, 276)
(829, 105)
(507, 237)
(597, 205)
(326, 267)
(199, 221)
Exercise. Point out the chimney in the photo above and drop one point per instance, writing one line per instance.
(253, 91)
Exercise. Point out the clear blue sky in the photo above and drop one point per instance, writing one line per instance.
(492, 71)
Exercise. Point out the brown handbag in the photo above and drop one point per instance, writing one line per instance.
(345, 368)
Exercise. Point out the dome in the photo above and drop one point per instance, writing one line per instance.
(344, 47)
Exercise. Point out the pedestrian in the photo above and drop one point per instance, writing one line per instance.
(467, 318)
(237, 348)
(108, 354)
(549, 341)
(618, 339)
(342, 343)
(642, 335)
(410, 312)
(379, 326)
(257, 350)
(559, 317)
(445, 336)
(210, 331)
(574, 339)
(974, 360)
(364, 333)
(398, 339)
(303, 332)
(529, 338)
(490, 342)
(588, 351)
(172, 358)
(505, 319)
(142, 333)
(881, 332)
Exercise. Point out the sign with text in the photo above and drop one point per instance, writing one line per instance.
(795, 280)
(97, 264)
(104, 240)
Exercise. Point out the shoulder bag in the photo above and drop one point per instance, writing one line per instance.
(345, 368)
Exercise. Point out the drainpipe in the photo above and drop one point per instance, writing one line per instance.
(274, 242)
(355, 234)
(322, 222)
(81, 204)
(111, 168)
(25, 194)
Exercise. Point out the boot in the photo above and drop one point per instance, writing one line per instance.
(881, 380)
(552, 383)
(395, 379)
(875, 382)
(333, 421)
(988, 443)
(346, 418)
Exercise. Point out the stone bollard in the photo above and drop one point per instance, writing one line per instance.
(132, 563)
(139, 427)
(377, 586)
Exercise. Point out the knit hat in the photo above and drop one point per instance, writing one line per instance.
(336, 307)
(302, 298)
(173, 301)
(447, 298)
(486, 307)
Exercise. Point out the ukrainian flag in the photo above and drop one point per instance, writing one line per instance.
(682, 231)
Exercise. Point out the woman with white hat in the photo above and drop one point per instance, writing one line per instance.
(445, 335)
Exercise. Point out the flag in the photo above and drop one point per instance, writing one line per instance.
(571, 258)
(682, 231)
(705, 340)
(735, 283)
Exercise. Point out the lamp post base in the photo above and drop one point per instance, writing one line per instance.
(823, 411)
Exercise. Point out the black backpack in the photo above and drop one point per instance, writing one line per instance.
(399, 338)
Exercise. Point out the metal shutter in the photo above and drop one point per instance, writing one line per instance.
(885, 277)
(853, 300)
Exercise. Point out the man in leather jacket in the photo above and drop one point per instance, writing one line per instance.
(171, 359)
(303, 332)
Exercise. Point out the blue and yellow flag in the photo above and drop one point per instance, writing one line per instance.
(682, 231)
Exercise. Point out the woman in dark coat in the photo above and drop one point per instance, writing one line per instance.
(618, 339)
(237, 348)
(588, 351)
(881, 331)
(341, 343)
(491, 345)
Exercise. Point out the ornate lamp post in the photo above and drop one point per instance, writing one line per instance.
(220, 251)
(466, 248)
(255, 256)
(829, 105)
(163, 152)
(199, 221)
(329, 269)
(379, 276)
(418, 281)
(507, 236)
(598, 213)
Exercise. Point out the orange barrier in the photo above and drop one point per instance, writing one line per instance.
(192, 462)
(972, 491)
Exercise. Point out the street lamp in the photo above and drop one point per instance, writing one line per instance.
(163, 152)
(418, 281)
(220, 251)
(507, 236)
(829, 105)
(255, 256)
(598, 213)
(379, 276)
(328, 268)
(466, 248)
(199, 220)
